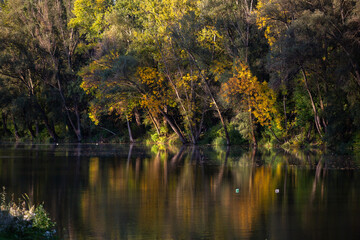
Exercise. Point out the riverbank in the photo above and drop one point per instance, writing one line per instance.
(23, 220)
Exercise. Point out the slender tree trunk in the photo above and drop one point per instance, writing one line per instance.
(208, 90)
(76, 128)
(200, 125)
(154, 122)
(252, 127)
(78, 121)
(324, 122)
(129, 129)
(172, 83)
(308, 135)
(174, 127)
(45, 119)
(29, 126)
(16, 131)
(36, 128)
(4, 120)
(272, 132)
(285, 116)
(137, 117)
(316, 116)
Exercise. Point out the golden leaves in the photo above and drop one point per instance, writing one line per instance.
(158, 94)
(273, 17)
(258, 97)
(210, 38)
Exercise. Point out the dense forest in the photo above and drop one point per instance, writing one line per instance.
(267, 72)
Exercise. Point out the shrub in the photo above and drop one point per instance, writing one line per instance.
(24, 220)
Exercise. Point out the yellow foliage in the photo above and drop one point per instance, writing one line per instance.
(158, 94)
(210, 38)
(218, 68)
(257, 97)
(273, 22)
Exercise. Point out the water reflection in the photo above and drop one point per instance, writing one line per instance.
(132, 192)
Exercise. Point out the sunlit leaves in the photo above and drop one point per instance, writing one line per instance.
(158, 94)
(210, 38)
(256, 96)
(274, 17)
(90, 17)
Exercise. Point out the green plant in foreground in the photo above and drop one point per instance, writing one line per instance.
(24, 220)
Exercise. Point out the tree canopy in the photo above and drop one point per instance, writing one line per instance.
(287, 72)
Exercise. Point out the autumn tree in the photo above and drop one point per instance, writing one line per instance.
(256, 98)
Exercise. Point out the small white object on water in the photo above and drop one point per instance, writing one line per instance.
(237, 190)
(57, 144)
(277, 190)
(96, 144)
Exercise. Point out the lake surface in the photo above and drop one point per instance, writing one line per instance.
(137, 192)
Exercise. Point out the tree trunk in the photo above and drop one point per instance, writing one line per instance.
(48, 126)
(154, 121)
(285, 117)
(252, 128)
(324, 122)
(16, 131)
(200, 125)
(137, 117)
(174, 127)
(316, 116)
(36, 128)
(29, 126)
(192, 135)
(78, 129)
(207, 88)
(308, 135)
(6, 130)
(129, 130)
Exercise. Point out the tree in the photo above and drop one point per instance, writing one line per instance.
(256, 98)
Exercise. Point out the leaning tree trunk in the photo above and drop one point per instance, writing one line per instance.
(316, 116)
(129, 130)
(45, 119)
(174, 127)
(29, 126)
(172, 83)
(208, 90)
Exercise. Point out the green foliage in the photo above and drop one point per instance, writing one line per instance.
(42, 220)
(216, 136)
(64, 64)
(159, 138)
(90, 18)
(24, 220)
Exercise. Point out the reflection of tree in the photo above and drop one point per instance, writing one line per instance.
(187, 193)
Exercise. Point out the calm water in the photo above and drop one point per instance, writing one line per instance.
(134, 192)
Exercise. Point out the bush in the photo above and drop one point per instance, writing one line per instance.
(24, 221)
(216, 136)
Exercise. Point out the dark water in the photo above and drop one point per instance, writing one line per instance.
(123, 192)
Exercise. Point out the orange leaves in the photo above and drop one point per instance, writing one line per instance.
(257, 97)
(242, 83)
